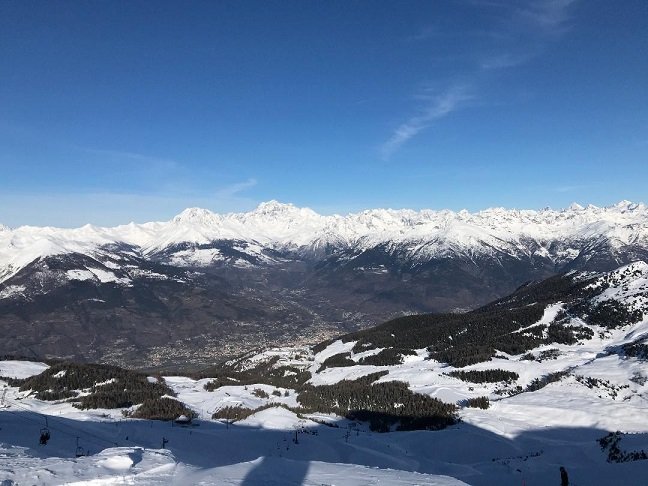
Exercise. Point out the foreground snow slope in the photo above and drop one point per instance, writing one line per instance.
(521, 439)
(261, 451)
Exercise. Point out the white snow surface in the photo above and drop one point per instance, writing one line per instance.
(257, 451)
(628, 283)
(21, 369)
(12, 291)
(519, 440)
(423, 233)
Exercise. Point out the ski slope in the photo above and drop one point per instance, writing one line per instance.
(519, 440)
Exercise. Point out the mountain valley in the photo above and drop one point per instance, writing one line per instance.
(553, 375)
(204, 286)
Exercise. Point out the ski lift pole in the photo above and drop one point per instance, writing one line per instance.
(80, 451)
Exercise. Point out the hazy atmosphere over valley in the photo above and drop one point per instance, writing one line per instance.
(324, 243)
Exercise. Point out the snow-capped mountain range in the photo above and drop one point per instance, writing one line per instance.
(285, 273)
(423, 235)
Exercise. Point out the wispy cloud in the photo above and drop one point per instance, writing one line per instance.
(423, 34)
(529, 28)
(234, 189)
(504, 60)
(436, 107)
(519, 34)
(551, 16)
(133, 156)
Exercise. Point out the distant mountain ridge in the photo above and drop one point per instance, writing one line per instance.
(272, 225)
(282, 274)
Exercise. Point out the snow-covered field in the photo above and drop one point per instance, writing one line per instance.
(258, 450)
(520, 440)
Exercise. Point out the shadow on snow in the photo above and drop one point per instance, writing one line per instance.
(469, 453)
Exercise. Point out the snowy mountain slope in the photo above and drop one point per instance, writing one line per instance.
(281, 273)
(492, 248)
(556, 402)
(593, 379)
(606, 310)
(424, 234)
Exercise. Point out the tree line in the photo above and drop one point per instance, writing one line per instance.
(485, 376)
(505, 325)
(105, 386)
(383, 404)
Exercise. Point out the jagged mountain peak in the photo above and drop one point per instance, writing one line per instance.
(274, 206)
(274, 210)
(196, 215)
(418, 235)
(626, 205)
(575, 207)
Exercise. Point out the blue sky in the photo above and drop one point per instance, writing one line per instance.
(120, 111)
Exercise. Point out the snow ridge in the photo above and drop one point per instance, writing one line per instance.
(426, 233)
